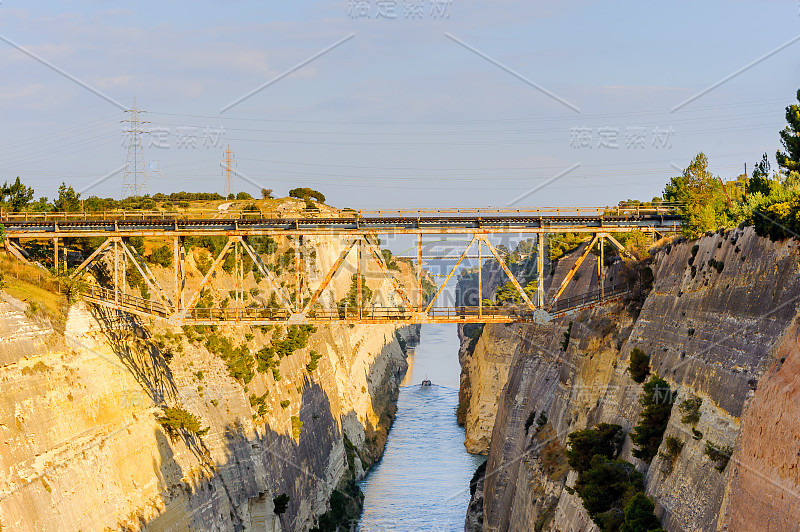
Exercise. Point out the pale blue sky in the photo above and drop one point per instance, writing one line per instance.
(399, 115)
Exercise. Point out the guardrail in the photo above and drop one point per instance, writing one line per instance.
(574, 302)
(135, 304)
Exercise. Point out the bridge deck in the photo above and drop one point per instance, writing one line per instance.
(64, 225)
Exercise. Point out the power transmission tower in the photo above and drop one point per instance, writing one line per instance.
(229, 171)
(134, 184)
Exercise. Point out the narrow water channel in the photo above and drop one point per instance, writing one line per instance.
(422, 481)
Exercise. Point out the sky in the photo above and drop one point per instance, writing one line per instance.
(395, 104)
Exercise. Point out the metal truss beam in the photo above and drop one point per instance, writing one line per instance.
(146, 274)
(450, 274)
(210, 275)
(508, 272)
(329, 276)
(267, 273)
(574, 269)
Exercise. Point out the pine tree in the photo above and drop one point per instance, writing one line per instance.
(790, 138)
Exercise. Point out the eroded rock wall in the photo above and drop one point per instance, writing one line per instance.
(717, 323)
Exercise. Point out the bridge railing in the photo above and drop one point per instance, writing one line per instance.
(243, 214)
(609, 292)
(98, 294)
(125, 301)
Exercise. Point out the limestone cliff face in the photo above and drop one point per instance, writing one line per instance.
(720, 318)
(81, 448)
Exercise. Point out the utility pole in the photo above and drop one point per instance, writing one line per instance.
(228, 162)
(134, 183)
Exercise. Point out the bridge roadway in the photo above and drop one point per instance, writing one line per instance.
(68, 225)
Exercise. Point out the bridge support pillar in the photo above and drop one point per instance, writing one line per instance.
(480, 280)
(600, 265)
(540, 270)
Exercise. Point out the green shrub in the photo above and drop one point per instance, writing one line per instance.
(657, 400)
(719, 455)
(161, 256)
(238, 360)
(311, 366)
(716, 264)
(281, 503)
(296, 338)
(696, 434)
(259, 403)
(203, 262)
(608, 485)
(285, 403)
(177, 420)
(690, 410)
(639, 365)
(541, 421)
(297, 426)
(604, 440)
(345, 509)
(640, 515)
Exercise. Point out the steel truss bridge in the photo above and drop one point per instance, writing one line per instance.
(355, 232)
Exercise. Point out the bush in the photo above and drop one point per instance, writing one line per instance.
(259, 403)
(281, 503)
(311, 366)
(285, 403)
(297, 426)
(266, 193)
(690, 410)
(296, 338)
(176, 421)
(345, 509)
(674, 448)
(639, 366)
(240, 363)
(243, 196)
(604, 440)
(541, 421)
(640, 515)
(607, 485)
(719, 455)
(657, 400)
(161, 256)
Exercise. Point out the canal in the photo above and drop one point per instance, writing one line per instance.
(422, 481)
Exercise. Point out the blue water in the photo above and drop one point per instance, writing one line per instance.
(422, 481)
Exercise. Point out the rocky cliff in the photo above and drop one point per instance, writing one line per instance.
(81, 447)
(720, 327)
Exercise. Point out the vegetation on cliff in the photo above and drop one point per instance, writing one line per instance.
(639, 366)
(657, 400)
(612, 490)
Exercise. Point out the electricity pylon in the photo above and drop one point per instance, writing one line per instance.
(134, 183)
(229, 171)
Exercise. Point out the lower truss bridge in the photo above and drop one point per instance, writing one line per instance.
(298, 270)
